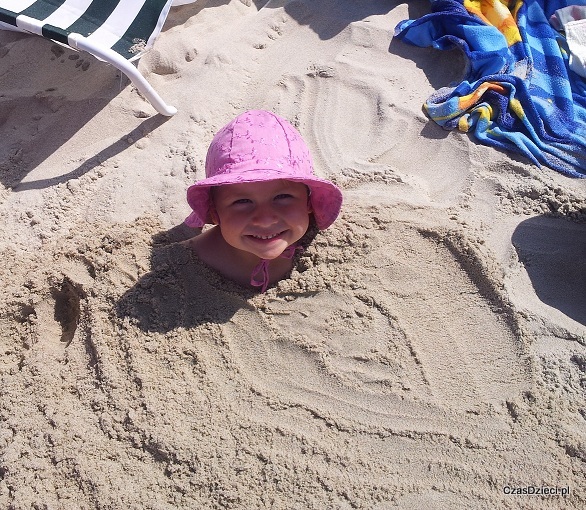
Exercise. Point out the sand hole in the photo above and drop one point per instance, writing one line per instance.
(68, 308)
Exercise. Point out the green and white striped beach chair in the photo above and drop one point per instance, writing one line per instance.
(115, 31)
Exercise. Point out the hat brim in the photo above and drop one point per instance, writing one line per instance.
(325, 197)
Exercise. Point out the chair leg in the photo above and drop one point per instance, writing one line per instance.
(80, 42)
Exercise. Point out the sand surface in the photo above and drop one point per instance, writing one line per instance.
(428, 351)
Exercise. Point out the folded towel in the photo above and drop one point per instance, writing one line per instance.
(572, 21)
(519, 92)
(576, 37)
(566, 14)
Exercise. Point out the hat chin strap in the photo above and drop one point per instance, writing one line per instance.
(260, 274)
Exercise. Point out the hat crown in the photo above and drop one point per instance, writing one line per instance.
(258, 140)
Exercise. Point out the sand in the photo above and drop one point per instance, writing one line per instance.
(428, 350)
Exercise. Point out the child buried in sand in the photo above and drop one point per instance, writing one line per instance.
(260, 192)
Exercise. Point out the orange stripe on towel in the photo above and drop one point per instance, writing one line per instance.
(466, 102)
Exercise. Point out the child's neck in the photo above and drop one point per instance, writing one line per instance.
(234, 264)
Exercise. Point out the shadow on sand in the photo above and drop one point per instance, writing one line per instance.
(47, 96)
(180, 291)
(553, 251)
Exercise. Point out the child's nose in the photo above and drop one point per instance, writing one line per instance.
(264, 215)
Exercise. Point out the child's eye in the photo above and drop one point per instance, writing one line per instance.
(242, 201)
(283, 195)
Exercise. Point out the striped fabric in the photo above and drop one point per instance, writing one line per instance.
(129, 27)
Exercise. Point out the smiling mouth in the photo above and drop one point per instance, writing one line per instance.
(265, 238)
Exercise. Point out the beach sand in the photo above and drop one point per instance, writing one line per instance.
(428, 350)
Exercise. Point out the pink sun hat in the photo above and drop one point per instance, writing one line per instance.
(261, 146)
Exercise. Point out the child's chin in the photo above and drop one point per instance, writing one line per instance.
(270, 254)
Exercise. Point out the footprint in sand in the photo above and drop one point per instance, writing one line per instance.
(161, 64)
(59, 53)
(60, 312)
(59, 303)
(80, 62)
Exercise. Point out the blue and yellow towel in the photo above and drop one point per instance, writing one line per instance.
(518, 93)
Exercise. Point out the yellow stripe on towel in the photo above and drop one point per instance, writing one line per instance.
(498, 13)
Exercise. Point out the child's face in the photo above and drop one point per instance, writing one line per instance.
(262, 218)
